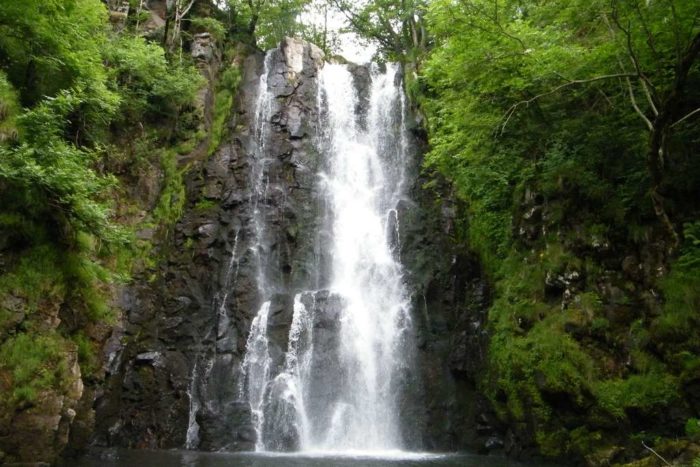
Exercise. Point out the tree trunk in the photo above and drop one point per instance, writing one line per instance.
(661, 132)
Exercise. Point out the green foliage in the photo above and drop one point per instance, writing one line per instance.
(210, 25)
(9, 108)
(48, 179)
(50, 45)
(152, 87)
(546, 359)
(34, 362)
(82, 113)
(172, 196)
(689, 258)
(394, 25)
(680, 321)
(315, 27)
(532, 118)
(682, 303)
(88, 354)
(35, 278)
(86, 278)
(647, 392)
(46, 274)
(264, 23)
(692, 428)
(278, 19)
(205, 205)
(223, 103)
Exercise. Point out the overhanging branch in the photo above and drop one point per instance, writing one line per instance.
(509, 113)
(681, 120)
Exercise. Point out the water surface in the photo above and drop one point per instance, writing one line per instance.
(177, 458)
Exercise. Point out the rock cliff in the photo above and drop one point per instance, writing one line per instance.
(174, 368)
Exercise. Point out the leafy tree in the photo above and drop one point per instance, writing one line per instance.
(578, 118)
(49, 45)
(396, 25)
(263, 23)
(150, 87)
(315, 28)
(505, 65)
(46, 181)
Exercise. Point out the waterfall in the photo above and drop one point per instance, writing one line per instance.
(363, 182)
(349, 344)
(257, 369)
(256, 363)
(192, 436)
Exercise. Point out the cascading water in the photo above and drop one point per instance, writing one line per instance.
(349, 344)
(363, 183)
(256, 364)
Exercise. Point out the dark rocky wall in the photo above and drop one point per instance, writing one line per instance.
(450, 304)
(185, 327)
(178, 321)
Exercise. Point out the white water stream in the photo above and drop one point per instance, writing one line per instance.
(363, 184)
(339, 386)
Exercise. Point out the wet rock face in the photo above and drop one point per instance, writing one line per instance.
(185, 333)
(175, 369)
(450, 306)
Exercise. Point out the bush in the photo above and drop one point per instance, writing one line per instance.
(49, 181)
(210, 25)
(692, 428)
(150, 86)
(680, 320)
(645, 392)
(49, 45)
(34, 362)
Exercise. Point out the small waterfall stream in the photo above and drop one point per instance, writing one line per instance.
(256, 364)
(350, 341)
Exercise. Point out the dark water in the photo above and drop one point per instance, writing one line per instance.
(133, 458)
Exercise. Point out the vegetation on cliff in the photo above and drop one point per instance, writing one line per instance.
(104, 106)
(83, 113)
(567, 130)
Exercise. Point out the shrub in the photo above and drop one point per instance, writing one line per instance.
(34, 362)
(150, 86)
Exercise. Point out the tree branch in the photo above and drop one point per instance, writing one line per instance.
(355, 21)
(636, 107)
(649, 97)
(650, 36)
(509, 113)
(187, 9)
(480, 13)
(646, 84)
(655, 453)
(678, 122)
